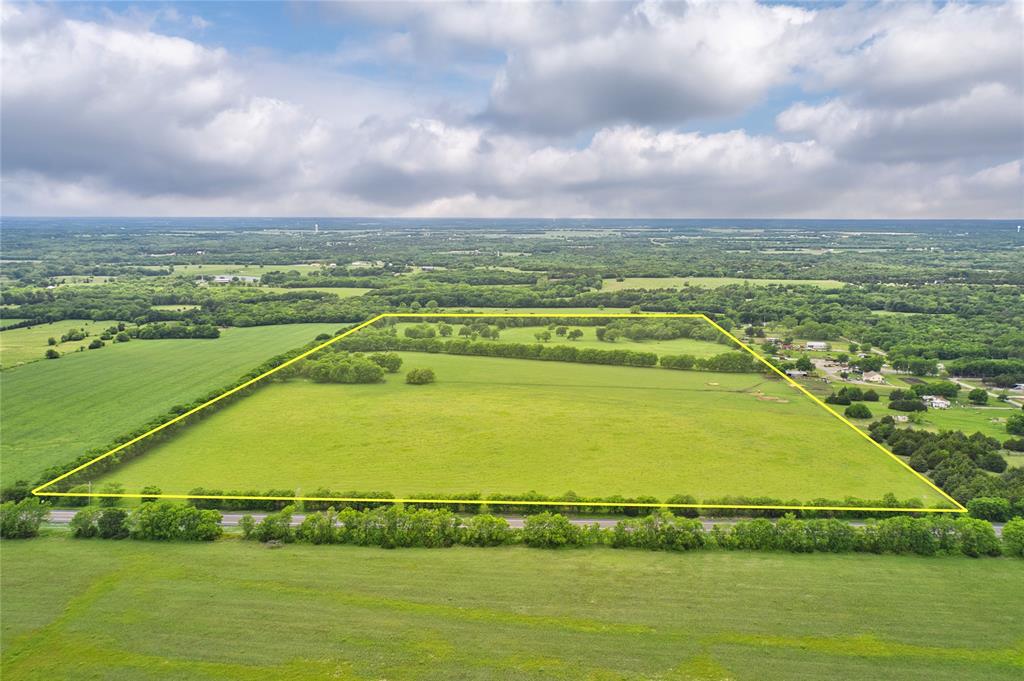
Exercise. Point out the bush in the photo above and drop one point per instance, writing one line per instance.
(1013, 538)
(995, 509)
(275, 527)
(21, 520)
(51, 354)
(389, 361)
(977, 538)
(319, 528)
(1015, 424)
(112, 523)
(858, 411)
(166, 521)
(908, 405)
(420, 377)
(978, 396)
(96, 343)
(486, 530)
(1014, 444)
(150, 489)
(660, 531)
(16, 492)
(550, 531)
(112, 488)
(83, 525)
(870, 395)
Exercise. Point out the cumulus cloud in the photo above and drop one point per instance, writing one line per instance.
(582, 116)
(657, 65)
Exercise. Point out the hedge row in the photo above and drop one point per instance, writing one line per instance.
(569, 503)
(396, 526)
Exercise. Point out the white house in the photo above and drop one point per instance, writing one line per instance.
(816, 345)
(935, 402)
(873, 377)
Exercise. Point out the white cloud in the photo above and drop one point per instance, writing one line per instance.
(114, 118)
(659, 64)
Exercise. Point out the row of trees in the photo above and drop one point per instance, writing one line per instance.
(529, 503)
(397, 526)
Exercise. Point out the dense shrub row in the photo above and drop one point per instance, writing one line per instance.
(163, 521)
(276, 499)
(396, 526)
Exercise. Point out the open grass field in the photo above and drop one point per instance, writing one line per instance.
(55, 410)
(676, 346)
(28, 344)
(493, 425)
(140, 611)
(709, 282)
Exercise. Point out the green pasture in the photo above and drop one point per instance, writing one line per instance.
(55, 410)
(493, 425)
(709, 282)
(28, 344)
(676, 346)
(138, 611)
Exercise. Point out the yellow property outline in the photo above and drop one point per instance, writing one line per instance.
(958, 507)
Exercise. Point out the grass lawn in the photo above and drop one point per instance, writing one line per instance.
(140, 611)
(676, 346)
(338, 291)
(55, 410)
(494, 425)
(28, 344)
(990, 421)
(709, 282)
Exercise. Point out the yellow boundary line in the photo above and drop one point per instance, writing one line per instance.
(959, 508)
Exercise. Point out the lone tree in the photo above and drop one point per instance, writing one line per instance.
(978, 396)
(420, 377)
(52, 354)
(858, 411)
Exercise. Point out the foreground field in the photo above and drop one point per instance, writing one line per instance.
(709, 282)
(493, 425)
(55, 410)
(138, 611)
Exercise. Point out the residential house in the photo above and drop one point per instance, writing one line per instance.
(873, 377)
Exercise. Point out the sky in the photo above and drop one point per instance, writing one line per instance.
(447, 109)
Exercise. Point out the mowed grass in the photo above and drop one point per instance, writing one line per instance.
(138, 611)
(494, 425)
(709, 282)
(675, 346)
(55, 410)
(28, 344)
